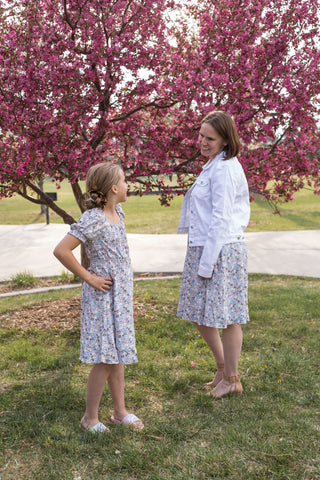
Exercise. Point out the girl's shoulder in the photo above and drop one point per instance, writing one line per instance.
(92, 214)
(90, 224)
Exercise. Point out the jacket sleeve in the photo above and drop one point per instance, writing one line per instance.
(223, 193)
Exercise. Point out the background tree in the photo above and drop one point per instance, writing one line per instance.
(129, 81)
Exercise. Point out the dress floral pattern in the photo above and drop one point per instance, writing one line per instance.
(221, 300)
(107, 328)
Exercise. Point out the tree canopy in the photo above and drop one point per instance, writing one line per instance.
(129, 81)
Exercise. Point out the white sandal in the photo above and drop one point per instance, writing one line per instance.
(97, 428)
(129, 419)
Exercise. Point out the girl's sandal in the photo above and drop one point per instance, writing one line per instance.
(129, 419)
(227, 386)
(97, 428)
(218, 376)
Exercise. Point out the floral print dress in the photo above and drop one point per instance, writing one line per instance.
(107, 328)
(221, 300)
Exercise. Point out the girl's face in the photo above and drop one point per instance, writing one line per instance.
(122, 188)
(210, 142)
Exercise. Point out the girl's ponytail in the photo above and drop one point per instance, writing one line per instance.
(100, 179)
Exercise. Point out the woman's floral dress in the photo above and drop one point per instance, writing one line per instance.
(107, 328)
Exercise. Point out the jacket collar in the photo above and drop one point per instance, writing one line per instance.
(209, 163)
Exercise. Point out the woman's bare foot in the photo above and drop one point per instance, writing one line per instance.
(227, 386)
(218, 376)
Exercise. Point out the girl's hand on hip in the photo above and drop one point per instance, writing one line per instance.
(101, 283)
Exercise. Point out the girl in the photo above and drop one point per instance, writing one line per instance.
(215, 213)
(107, 329)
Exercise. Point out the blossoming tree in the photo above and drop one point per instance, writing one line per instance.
(129, 80)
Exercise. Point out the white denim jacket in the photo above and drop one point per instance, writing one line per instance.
(216, 210)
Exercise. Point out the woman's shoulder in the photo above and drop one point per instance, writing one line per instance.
(226, 171)
(231, 164)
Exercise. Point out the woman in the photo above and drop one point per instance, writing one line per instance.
(215, 213)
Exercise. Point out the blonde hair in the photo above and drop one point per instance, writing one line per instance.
(100, 179)
(224, 125)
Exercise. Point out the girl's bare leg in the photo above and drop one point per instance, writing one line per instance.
(116, 385)
(95, 386)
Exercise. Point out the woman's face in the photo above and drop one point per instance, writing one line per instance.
(210, 142)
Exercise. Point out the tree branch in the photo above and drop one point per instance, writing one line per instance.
(46, 200)
(78, 195)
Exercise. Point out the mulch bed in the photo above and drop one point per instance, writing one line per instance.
(62, 314)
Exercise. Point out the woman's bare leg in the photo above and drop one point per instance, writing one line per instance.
(212, 337)
(232, 344)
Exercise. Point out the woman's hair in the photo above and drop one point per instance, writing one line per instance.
(100, 179)
(224, 125)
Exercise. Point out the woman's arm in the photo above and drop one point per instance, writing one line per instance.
(223, 192)
(64, 253)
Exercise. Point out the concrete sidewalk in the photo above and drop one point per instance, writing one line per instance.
(29, 248)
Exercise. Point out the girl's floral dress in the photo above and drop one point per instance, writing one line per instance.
(107, 328)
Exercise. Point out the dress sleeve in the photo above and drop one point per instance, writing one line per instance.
(89, 225)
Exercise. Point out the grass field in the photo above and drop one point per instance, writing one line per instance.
(145, 214)
(271, 432)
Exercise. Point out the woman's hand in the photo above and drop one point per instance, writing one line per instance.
(100, 283)
(203, 278)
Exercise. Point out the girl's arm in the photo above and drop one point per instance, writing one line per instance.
(64, 253)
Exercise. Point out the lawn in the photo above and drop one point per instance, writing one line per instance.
(271, 432)
(146, 215)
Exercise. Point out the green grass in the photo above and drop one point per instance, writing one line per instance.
(18, 211)
(23, 279)
(271, 432)
(303, 213)
(145, 214)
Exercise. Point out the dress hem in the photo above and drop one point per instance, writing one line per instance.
(220, 325)
(108, 362)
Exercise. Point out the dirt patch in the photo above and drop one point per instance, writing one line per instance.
(62, 314)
